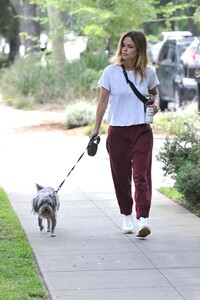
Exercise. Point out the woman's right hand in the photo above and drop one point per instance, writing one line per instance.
(94, 134)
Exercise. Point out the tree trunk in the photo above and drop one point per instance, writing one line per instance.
(14, 40)
(29, 29)
(57, 36)
(14, 47)
(191, 25)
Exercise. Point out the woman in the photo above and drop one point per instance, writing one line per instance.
(129, 140)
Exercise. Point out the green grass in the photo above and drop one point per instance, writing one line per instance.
(19, 275)
(171, 193)
(174, 195)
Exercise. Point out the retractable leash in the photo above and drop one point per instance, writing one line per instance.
(91, 150)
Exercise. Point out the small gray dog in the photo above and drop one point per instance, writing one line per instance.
(45, 204)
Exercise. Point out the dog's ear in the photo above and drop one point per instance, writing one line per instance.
(39, 187)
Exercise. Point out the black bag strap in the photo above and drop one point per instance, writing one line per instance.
(135, 90)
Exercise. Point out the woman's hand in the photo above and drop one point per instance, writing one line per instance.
(94, 134)
(155, 109)
(154, 93)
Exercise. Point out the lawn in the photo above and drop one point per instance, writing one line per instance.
(19, 275)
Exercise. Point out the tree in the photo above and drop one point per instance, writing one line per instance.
(177, 15)
(28, 26)
(105, 21)
(57, 36)
(9, 29)
(52, 9)
(101, 21)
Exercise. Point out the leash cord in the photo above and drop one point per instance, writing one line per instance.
(91, 148)
(70, 171)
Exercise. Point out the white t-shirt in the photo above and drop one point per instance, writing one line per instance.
(124, 108)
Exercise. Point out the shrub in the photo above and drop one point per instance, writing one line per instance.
(181, 158)
(96, 61)
(172, 123)
(187, 181)
(28, 82)
(3, 60)
(82, 75)
(36, 80)
(102, 130)
(178, 149)
(79, 114)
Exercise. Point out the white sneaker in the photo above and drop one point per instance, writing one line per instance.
(127, 226)
(143, 228)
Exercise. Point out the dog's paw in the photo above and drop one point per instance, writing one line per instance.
(41, 228)
(48, 230)
(52, 235)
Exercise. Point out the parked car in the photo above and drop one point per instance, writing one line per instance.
(155, 48)
(174, 86)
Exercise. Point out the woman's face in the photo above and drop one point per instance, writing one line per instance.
(128, 50)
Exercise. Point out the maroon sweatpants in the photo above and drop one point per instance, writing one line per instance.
(130, 152)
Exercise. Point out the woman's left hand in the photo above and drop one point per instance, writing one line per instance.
(154, 93)
(155, 109)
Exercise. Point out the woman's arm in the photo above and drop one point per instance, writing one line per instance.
(101, 108)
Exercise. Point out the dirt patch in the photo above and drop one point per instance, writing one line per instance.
(53, 126)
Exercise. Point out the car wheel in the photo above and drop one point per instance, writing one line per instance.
(163, 105)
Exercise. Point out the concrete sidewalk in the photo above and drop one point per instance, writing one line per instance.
(90, 259)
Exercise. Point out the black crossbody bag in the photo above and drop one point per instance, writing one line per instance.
(146, 100)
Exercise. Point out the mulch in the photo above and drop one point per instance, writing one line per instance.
(52, 126)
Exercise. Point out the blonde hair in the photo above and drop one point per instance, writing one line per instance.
(140, 42)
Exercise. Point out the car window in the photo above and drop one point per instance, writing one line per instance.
(168, 53)
(172, 50)
(172, 54)
(164, 52)
(182, 48)
(182, 45)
